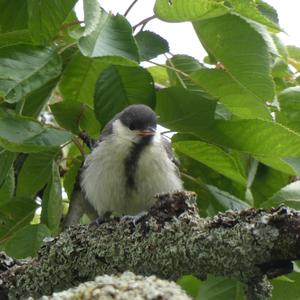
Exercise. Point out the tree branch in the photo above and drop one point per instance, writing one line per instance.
(171, 240)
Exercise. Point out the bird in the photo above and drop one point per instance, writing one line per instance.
(131, 163)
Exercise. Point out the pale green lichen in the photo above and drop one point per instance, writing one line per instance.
(128, 286)
(229, 244)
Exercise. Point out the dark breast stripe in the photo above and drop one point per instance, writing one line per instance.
(131, 162)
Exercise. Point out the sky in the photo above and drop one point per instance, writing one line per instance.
(181, 37)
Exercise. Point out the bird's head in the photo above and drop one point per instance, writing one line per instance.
(136, 123)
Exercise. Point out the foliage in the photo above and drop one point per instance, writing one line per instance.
(236, 112)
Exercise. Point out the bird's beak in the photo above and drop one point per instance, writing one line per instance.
(147, 132)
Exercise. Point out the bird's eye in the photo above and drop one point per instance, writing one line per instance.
(131, 126)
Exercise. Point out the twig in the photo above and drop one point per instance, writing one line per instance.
(143, 22)
(130, 7)
(67, 25)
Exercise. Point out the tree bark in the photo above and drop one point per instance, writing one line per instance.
(169, 241)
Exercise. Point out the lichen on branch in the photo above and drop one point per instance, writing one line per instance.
(169, 241)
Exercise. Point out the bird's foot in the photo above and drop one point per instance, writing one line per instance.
(135, 219)
(100, 220)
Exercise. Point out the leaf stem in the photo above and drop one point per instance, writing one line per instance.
(143, 22)
(130, 7)
(168, 67)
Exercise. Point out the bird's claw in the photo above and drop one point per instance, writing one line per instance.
(135, 219)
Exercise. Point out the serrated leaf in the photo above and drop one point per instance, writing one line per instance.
(268, 11)
(79, 78)
(35, 173)
(120, 86)
(36, 66)
(36, 101)
(150, 44)
(247, 61)
(257, 137)
(183, 110)
(188, 10)
(21, 134)
(52, 202)
(92, 15)
(288, 195)
(76, 116)
(112, 37)
(235, 97)
(13, 15)
(46, 17)
(14, 214)
(213, 157)
(250, 9)
(186, 64)
(27, 241)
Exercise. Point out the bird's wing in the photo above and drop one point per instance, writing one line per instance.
(168, 147)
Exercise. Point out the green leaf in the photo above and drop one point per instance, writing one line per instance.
(226, 200)
(15, 37)
(150, 44)
(213, 157)
(120, 86)
(288, 290)
(6, 160)
(79, 78)
(21, 134)
(183, 110)
(240, 101)
(14, 214)
(256, 137)
(247, 61)
(36, 66)
(71, 175)
(187, 65)
(35, 173)
(92, 13)
(160, 75)
(288, 195)
(7, 188)
(76, 116)
(249, 9)
(294, 56)
(190, 284)
(220, 288)
(46, 17)
(268, 11)
(13, 15)
(266, 182)
(188, 10)
(52, 202)
(112, 37)
(289, 114)
(36, 101)
(27, 241)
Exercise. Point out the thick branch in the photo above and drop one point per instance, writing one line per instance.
(171, 240)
